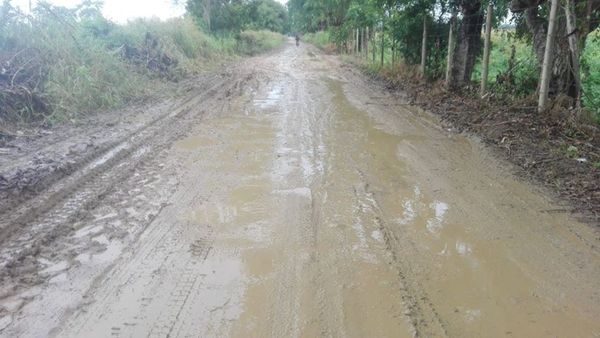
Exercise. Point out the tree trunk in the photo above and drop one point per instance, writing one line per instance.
(374, 44)
(561, 79)
(382, 42)
(574, 47)
(393, 52)
(424, 48)
(486, 50)
(469, 43)
(206, 12)
(357, 41)
(548, 58)
(362, 41)
(367, 43)
(451, 48)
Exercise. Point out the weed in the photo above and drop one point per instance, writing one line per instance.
(572, 151)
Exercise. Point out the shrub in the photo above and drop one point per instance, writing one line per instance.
(321, 39)
(513, 67)
(591, 73)
(254, 42)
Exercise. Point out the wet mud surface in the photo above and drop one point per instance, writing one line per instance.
(557, 149)
(290, 198)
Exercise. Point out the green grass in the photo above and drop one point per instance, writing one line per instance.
(321, 39)
(74, 62)
(524, 71)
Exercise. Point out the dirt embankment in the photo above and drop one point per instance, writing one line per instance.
(554, 148)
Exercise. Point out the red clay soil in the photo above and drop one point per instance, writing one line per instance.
(555, 148)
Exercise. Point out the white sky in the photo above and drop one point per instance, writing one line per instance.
(122, 10)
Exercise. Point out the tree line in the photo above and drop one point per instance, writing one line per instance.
(445, 37)
(225, 16)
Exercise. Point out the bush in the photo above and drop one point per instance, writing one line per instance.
(254, 42)
(591, 73)
(513, 67)
(321, 39)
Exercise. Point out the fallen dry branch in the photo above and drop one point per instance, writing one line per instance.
(21, 76)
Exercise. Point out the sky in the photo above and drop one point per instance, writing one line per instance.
(122, 10)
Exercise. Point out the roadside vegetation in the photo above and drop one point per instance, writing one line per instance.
(391, 33)
(223, 17)
(320, 39)
(591, 74)
(58, 64)
(513, 70)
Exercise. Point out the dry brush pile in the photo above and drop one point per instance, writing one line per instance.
(21, 78)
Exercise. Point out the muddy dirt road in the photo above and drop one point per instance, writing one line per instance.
(291, 198)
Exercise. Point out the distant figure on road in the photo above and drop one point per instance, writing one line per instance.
(297, 40)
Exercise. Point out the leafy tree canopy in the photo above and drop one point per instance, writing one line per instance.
(222, 16)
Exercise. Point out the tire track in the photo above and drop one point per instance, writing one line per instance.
(41, 220)
(424, 317)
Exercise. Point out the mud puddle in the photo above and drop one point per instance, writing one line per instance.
(476, 284)
(309, 204)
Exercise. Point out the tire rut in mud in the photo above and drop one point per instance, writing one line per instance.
(36, 223)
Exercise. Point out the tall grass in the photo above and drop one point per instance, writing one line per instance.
(321, 39)
(58, 64)
(517, 77)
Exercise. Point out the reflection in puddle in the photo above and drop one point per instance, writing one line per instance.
(463, 248)
(377, 235)
(435, 224)
(304, 192)
(408, 212)
(272, 99)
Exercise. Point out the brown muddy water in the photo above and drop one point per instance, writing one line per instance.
(310, 203)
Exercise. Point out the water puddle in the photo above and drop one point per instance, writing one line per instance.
(195, 142)
(272, 98)
(259, 262)
(371, 298)
(107, 156)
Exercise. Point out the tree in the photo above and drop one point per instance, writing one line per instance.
(267, 14)
(469, 42)
(236, 15)
(534, 13)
